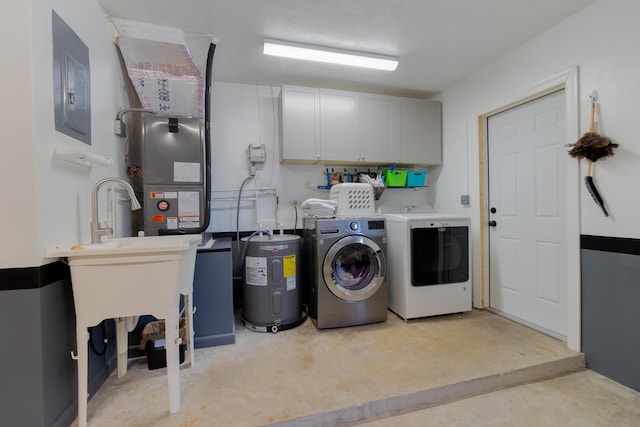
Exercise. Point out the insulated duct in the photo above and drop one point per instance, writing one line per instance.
(161, 68)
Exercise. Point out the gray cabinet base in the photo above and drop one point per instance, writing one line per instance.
(214, 319)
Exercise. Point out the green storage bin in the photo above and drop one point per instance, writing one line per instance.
(395, 178)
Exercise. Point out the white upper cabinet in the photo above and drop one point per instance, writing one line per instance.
(376, 128)
(420, 138)
(300, 118)
(340, 127)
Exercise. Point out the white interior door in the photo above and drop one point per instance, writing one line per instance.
(527, 276)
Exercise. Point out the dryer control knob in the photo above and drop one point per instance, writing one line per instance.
(353, 226)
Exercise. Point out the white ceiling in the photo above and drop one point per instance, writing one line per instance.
(438, 42)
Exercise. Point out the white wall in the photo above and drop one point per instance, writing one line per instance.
(17, 179)
(54, 207)
(47, 201)
(243, 115)
(453, 179)
(68, 188)
(600, 41)
(246, 114)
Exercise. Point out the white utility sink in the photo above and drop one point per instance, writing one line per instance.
(131, 276)
(128, 244)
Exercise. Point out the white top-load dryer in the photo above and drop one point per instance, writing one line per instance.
(429, 263)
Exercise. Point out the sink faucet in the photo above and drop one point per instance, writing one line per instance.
(96, 230)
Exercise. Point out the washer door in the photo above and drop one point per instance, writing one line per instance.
(354, 268)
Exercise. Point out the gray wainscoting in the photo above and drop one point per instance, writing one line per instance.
(611, 307)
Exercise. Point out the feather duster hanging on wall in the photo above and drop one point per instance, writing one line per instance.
(593, 147)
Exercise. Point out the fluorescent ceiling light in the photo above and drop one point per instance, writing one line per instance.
(330, 55)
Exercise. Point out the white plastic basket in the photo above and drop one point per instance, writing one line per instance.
(354, 200)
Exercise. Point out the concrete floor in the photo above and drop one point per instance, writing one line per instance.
(474, 368)
(574, 400)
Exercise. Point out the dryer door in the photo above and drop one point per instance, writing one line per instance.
(354, 268)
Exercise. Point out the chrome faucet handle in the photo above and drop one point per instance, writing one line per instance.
(96, 230)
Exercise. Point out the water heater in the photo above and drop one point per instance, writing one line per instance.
(174, 180)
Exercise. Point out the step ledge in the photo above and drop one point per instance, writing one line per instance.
(423, 399)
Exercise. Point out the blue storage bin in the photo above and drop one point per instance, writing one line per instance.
(416, 178)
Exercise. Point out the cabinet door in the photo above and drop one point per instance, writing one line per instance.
(376, 129)
(300, 124)
(420, 132)
(339, 125)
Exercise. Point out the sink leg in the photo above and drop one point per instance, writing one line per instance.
(82, 337)
(121, 345)
(188, 303)
(173, 362)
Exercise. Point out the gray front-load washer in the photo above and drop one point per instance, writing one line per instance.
(346, 269)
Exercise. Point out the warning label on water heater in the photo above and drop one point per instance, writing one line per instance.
(255, 269)
(289, 271)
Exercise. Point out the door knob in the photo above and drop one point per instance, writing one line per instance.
(492, 223)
